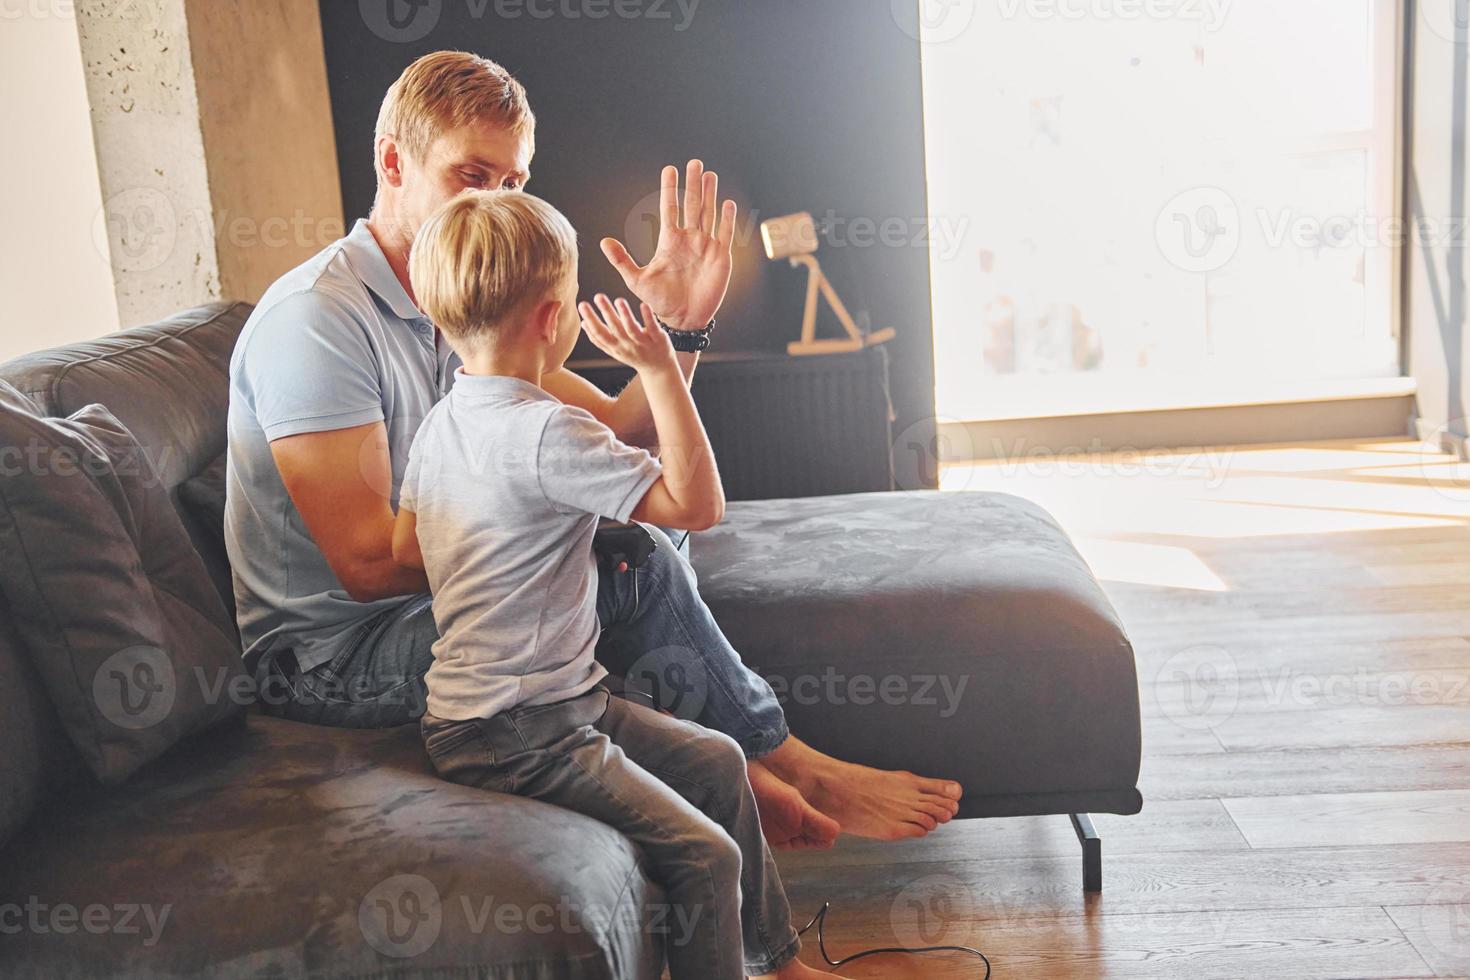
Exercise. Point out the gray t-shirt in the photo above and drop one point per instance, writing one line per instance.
(507, 484)
(334, 343)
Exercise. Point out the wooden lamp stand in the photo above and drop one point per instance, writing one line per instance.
(794, 237)
(809, 344)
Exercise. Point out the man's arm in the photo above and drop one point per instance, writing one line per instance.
(684, 283)
(340, 481)
(627, 414)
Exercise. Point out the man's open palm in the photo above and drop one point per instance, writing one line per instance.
(686, 280)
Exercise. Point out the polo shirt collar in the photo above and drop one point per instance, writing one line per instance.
(496, 386)
(371, 265)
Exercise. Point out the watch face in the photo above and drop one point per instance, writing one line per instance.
(689, 341)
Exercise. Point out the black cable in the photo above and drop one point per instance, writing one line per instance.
(820, 921)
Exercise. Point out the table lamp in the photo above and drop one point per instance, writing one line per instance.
(794, 237)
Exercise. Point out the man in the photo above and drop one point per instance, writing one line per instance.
(329, 381)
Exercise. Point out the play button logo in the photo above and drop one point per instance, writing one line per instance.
(401, 21)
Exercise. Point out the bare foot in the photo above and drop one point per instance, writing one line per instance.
(867, 802)
(797, 970)
(787, 819)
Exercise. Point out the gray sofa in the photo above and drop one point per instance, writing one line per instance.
(952, 634)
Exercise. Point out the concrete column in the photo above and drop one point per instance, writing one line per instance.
(214, 145)
(150, 156)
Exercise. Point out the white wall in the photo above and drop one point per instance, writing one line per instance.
(56, 283)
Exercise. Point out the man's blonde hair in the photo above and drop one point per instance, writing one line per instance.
(484, 254)
(446, 90)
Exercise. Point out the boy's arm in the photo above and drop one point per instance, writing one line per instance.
(689, 493)
(406, 540)
(627, 414)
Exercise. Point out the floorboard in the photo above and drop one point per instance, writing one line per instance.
(1422, 817)
(1301, 619)
(1441, 933)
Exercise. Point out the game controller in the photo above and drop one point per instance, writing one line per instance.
(625, 546)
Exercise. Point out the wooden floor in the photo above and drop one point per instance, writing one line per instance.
(1301, 616)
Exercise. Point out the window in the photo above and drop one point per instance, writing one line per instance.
(1159, 203)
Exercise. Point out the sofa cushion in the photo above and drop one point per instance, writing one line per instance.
(13, 397)
(107, 593)
(168, 382)
(286, 850)
(201, 504)
(38, 760)
(204, 495)
(956, 634)
(36, 751)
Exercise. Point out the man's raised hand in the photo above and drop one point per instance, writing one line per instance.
(686, 280)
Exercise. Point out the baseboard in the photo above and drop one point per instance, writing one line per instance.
(1366, 417)
(1448, 440)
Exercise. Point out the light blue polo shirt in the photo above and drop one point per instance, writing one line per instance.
(334, 343)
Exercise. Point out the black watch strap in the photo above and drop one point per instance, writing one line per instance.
(689, 341)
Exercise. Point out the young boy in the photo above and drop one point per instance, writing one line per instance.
(502, 495)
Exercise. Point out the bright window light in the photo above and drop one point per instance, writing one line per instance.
(1179, 202)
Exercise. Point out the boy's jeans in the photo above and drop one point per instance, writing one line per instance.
(678, 790)
(657, 632)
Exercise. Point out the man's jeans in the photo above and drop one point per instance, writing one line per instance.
(657, 634)
(675, 789)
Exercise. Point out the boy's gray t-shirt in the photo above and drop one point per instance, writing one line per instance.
(507, 484)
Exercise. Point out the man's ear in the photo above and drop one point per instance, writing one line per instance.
(389, 160)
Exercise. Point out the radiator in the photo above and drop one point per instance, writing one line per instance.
(786, 426)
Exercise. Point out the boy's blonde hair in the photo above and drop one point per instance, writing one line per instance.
(448, 89)
(483, 254)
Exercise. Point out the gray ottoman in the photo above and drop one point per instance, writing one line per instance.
(952, 634)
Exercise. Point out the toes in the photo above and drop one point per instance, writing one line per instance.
(943, 802)
(914, 825)
(947, 788)
(821, 826)
(938, 811)
(905, 831)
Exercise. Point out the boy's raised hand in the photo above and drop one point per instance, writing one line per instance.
(617, 332)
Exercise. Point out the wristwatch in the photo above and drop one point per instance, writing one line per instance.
(689, 341)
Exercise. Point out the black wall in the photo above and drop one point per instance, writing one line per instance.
(798, 104)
